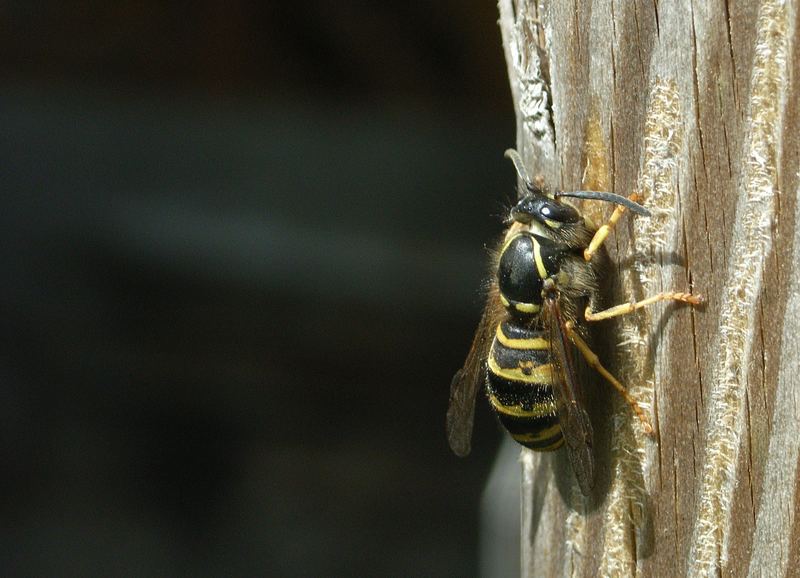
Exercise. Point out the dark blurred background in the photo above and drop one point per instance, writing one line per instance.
(242, 247)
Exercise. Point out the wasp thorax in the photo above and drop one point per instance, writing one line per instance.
(526, 260)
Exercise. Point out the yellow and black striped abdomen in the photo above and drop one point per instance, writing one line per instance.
(519, 384)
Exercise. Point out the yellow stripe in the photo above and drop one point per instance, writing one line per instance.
(552, 447)
(522, 307)
(538, 410)
(536, 228)
(539, 374)
(508, 242)
(537, 254)
(535, 343)
(552, 224)
(544, 434)
(527, 307)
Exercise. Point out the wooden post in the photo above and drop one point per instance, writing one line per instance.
(695, 105)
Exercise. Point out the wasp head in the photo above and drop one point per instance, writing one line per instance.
(537, 206)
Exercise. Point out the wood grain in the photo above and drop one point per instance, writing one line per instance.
(695, 106)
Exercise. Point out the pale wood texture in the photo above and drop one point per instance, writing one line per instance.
(696, 106)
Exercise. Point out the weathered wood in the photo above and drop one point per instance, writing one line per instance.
(694, 105)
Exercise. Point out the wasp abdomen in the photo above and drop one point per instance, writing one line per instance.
(519, 384)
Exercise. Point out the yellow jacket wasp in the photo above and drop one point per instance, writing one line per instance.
(533, 327)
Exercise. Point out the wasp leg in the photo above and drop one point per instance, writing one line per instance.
(626, 308)
(594, 361)
(602, 233)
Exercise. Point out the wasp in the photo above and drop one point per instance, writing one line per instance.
(534, 327)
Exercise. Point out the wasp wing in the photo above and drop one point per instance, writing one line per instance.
(575, 425)
(469, 379)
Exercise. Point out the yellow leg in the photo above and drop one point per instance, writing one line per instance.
(626, 308)
(602, 233)
(594, 362)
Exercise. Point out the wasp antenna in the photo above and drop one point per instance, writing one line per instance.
(520, 166)
(610, 197)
